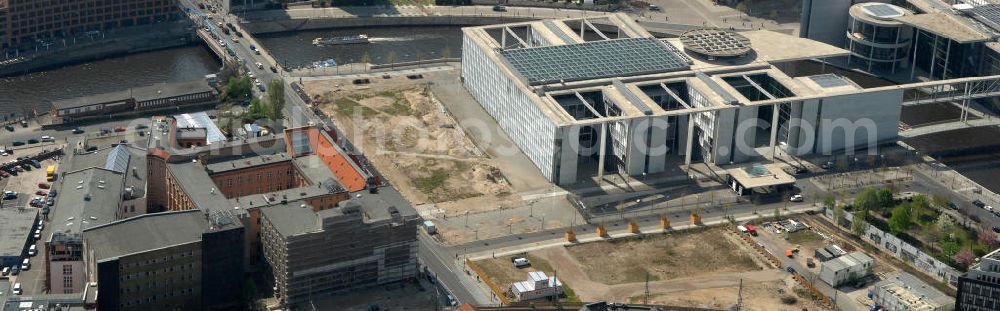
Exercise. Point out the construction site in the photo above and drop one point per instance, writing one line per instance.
(705, 267)
(414, 141)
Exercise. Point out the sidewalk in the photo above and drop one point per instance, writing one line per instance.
(623, 233)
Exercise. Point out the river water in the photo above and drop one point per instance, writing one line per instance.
(19, 94)
(387, 44)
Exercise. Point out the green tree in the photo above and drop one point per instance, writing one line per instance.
(884, 198)
(275, 99)
(901, 219)
(939, 200)
(238, 88)
(866, 200)
(257, 109)
(777, 214)
(829, 201)
(944, 224)
(858, 225)
(839, 214)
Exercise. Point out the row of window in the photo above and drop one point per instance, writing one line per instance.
(155, 260)
(165, 295)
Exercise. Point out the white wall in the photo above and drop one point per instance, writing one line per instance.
(513, 110)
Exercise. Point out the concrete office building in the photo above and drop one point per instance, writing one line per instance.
(38, 21)
(876, 40)
(585, 97)
(188, 260)
(979, 289)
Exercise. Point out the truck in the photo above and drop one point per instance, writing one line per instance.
(789, 253)
(751, 230)
(50, 173)
(431, 228)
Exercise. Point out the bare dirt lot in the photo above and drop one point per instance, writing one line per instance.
(414, 142)
(701, 259)
(764, 296)
(664, 257)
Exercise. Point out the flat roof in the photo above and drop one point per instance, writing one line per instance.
(919, 294)
(15, 230)
(87, 198)
(596, 59)
(377, 205)
(199, 187)
(103, 98)
(293, 218)
(772, 46)
(760, 175)
(145, 232)
(201, 120)
(243, 163)
(171, 89)
(945, 25)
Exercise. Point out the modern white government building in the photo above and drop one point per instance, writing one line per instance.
(585, 97)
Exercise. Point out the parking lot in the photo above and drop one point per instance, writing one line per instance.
(26, 184)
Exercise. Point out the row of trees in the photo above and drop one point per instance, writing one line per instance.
(948, 241)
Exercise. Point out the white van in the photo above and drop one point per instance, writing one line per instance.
(5, 271)
(25, 265)
(33, 250)
(17, 288)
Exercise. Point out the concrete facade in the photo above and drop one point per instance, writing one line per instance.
(716, 111)
(847, 268)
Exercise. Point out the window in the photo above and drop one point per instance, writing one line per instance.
(67, 269)
(68, 281)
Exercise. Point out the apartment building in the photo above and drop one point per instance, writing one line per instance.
(40, 21)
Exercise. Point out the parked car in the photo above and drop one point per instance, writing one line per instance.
(274, 70)
(653, 7)
(32, 250)
(996, 229)
(499, 8)
(53, 193)
(44, 185)
(35, 163)
(47, 138)
(17, 143)
(15, 270)
(796, 198)
(78, 130)
(141, 127)
(975, 218)
(520, 262)
(119, 129)
(33, 141)
(978, 203)
(790, 270)
(16, 290)
(105, 131)
(41, 192)
(5, 271)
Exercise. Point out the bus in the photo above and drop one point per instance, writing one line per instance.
(50, 173)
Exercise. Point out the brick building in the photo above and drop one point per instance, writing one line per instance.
(35, 21)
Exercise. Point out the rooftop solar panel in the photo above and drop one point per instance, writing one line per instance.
(988, 14)
(593, 60)
(829, 80)
(882, 10)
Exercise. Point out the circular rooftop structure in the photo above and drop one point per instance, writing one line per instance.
(878, 13)
(716, 43)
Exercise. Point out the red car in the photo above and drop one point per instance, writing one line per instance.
(41, 193)
(119, 129)
(43, 185)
